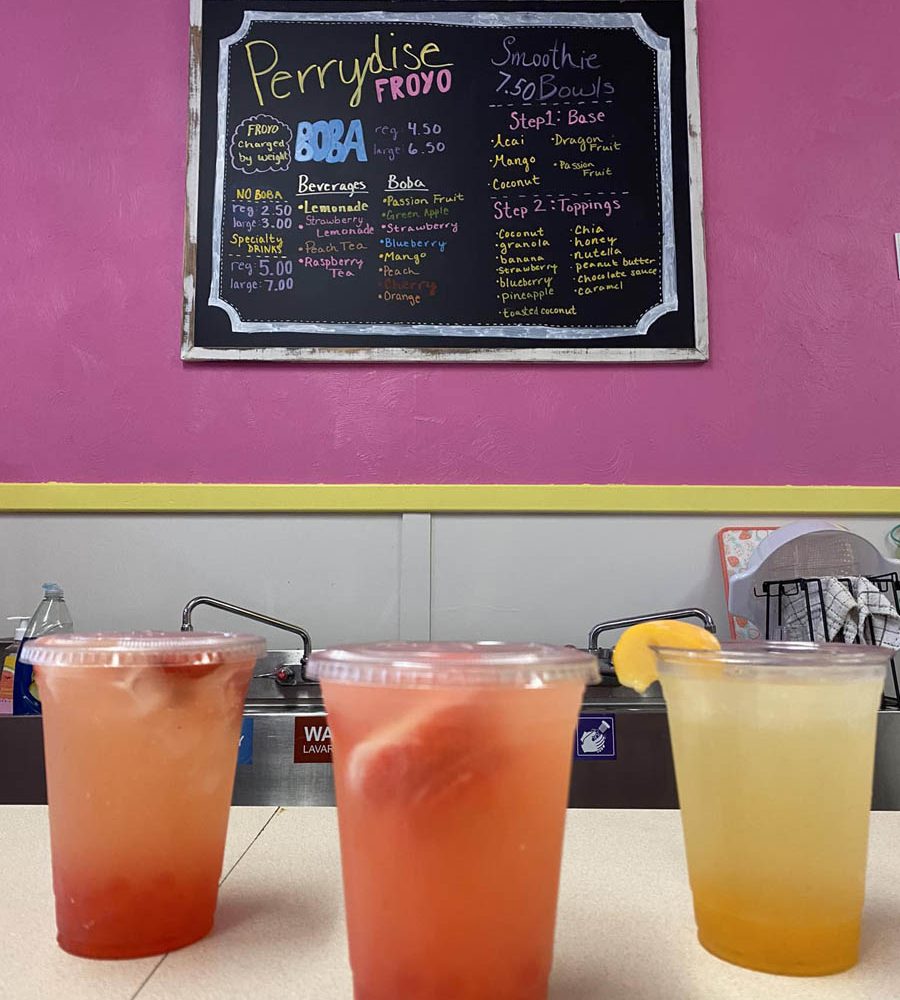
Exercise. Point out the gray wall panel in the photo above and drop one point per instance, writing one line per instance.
(356, 577)
(338, 576)
(550, 577)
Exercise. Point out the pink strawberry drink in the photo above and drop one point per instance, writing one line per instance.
(452, 765)
(140, 736)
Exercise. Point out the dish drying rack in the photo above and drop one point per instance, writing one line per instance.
(791, 562)
(773, 593)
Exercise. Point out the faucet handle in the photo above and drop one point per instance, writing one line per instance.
(285, 675)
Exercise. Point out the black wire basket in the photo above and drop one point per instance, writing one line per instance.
(813, 596)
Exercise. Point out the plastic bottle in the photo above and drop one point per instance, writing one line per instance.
(8, 667)
(52, 615)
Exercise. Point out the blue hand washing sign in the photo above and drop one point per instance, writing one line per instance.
(595, 738)
(245, 744)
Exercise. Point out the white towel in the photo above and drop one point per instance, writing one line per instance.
(839, 604)
(874, 606)
(846, 612)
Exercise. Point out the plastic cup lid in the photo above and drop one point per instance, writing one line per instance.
(443, 664)
(151, 649)
(812, 662)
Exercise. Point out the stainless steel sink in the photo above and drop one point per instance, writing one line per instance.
(281, 719)
(266, 696)
(640, 775)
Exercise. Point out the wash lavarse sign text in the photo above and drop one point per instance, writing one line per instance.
(431, 180)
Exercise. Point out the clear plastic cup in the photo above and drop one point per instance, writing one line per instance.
(141, 735)
(452, 765)
(774, 747)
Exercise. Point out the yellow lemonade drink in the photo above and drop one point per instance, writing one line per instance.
(140, 739)
(452, 765)
(774, 749)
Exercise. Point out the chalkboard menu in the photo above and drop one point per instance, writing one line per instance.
(444, 181)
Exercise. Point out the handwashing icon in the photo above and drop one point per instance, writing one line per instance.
(594, 740)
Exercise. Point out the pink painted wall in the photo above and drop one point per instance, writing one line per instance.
(801, 119)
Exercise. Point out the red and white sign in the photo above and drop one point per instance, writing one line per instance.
(312, 739)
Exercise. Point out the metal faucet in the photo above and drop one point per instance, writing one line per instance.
(598, 630)
(285, 675)
(605, 656)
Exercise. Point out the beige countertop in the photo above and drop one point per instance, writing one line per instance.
(625, 929)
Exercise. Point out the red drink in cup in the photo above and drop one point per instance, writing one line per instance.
(452, 766)
(140, 737)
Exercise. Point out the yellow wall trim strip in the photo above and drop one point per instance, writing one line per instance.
(314, 498)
